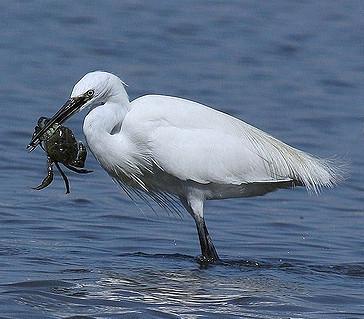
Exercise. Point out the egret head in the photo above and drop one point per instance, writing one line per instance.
(94, 89)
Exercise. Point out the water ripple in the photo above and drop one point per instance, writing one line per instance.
(93, 254)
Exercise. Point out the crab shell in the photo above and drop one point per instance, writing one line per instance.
(61, 146)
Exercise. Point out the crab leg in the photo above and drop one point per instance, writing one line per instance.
(78, 170)
(49, 177)
(64, 178)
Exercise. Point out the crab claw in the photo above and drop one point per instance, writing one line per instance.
(48, 179)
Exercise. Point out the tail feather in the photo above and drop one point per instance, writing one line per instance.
(283, 161)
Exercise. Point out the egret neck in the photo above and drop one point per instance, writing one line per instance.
(105, 120)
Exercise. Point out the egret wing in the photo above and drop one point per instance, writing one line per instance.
(194, 142)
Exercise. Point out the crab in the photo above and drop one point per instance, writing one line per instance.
(61, 147)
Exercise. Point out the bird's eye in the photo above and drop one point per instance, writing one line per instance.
(90, 93)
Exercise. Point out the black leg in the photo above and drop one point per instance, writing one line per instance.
(208, 251)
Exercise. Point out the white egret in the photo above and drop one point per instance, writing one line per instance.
(167, 148)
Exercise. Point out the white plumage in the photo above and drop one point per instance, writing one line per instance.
(168, 147)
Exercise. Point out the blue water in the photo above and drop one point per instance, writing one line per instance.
(292, 68)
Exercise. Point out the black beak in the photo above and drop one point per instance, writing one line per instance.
(71, 107)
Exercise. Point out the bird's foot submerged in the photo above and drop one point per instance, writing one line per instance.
(209, 254)
(207, 260)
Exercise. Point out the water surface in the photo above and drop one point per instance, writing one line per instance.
(294, 69)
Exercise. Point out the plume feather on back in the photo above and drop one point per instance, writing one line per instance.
(282, 160)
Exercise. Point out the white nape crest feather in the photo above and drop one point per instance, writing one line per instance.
(168, 150)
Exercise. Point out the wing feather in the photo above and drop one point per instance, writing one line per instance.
(282, 160)
(191, 141)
